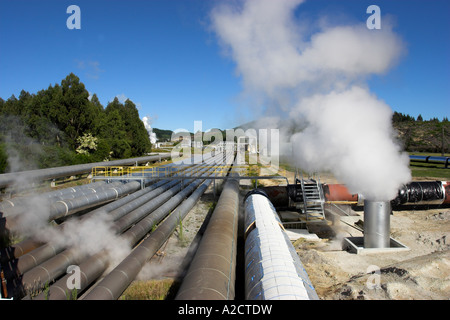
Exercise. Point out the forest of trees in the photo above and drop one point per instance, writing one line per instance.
(61, 125)
(398, 117)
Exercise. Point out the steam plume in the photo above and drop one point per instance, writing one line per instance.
(147, 123)
(318, 79)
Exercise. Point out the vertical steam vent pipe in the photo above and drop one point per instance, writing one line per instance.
(211, 275)
(273, 270)
(377, 224)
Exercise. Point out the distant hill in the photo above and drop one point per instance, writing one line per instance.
(424, 136)
(414, 135)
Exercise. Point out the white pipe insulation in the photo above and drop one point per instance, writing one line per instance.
(273, 270)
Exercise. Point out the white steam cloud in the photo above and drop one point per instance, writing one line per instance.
(317, 79)
(147, 123)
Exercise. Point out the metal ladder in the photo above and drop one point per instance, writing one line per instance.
(313, 199)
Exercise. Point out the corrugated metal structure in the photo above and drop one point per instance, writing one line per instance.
(273, 270)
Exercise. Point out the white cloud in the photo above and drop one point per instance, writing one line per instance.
(91, 68)
(122, 97)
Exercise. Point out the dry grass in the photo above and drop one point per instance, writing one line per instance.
(148, 290)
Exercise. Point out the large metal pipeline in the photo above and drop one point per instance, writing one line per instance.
(49, 270)
(32, 259)
(94, 266)
(211, 274)
(430, 159)
(423, 192)
(273, 270)
(113, 285)
(114, 205)
(29, 203)
(21, 204)
(55, 266)
(52, 208)
(52, 173)
(114, 209)
(63, 208)
(144, 208)
(17, 250)
(70, 192)
(413, 193)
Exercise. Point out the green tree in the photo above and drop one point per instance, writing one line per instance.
(76, 112)
(137, 135)
(3, 158)
(124, 119)
(99, 113)
(113, 130)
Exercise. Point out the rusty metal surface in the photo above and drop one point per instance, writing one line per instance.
(211, 275)
(338, 192)
(446, 185)
(19, 249)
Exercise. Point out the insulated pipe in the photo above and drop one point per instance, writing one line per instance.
(37, 256)
(17, 250)
(63, 208)
(52, 268)
(211, 275)
(70, 192)
(139, 230)
(423, 192)
(273, 270)
(413, 193)
(108, 208)
(338, 192)
(32, 259)
(92, 268)
(377, 224)
(125, 209)
(45, 249)
(51, 173)
(113, 285)
(20, 204)
(136, 215)
(25, 204)
(430, 159)
(48, 270)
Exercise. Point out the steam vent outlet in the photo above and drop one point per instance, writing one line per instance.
(377, 224)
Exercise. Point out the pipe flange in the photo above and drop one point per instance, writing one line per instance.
(256, 191)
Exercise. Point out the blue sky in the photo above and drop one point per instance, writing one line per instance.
(163, 56)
